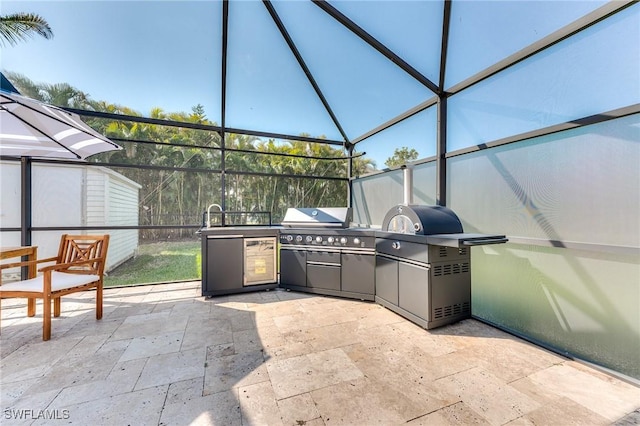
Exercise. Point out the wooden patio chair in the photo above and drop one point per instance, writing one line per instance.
(79, 266)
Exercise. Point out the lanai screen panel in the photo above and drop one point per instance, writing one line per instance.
(267, 90)
(411, 29)
(592, 72)
(414, 133)
(483, 33)
(569, 204)
(363, 88)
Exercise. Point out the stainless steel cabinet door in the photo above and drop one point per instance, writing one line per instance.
(224, 264)
(358, 273)
(387, 279)
(414, 290)
(293, 268)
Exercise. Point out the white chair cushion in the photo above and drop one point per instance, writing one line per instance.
(59, 281)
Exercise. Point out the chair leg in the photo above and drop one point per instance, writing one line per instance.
(46, 318)
(99, 301)
(56, 306)
(31, 307)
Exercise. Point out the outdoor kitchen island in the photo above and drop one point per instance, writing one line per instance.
(417, 264)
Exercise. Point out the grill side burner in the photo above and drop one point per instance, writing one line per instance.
(423, 264)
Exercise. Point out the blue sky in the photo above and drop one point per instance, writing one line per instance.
(145, 54)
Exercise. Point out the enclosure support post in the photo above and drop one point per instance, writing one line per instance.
(25, 207)
(223, 101)
(441, 151)
(350, 175)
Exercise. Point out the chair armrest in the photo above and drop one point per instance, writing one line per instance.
(59, 266)
(26, 263)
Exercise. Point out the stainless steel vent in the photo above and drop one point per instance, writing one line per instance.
(450, 269)
(451, 310)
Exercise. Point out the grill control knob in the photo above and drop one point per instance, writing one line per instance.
(289, 238)
(331, 240)
(343, 240)
(356, 241)
(396, 245)
(318, 239)
(309, 238)
(299, 238)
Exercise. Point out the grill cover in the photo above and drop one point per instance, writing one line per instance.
(421, 220)
(321, 217)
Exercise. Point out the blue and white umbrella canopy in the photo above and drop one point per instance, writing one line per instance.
(30, 128)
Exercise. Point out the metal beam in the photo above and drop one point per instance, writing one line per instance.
(223, 99)
(223, 82)
(147, 120)
(283, 136)
(350, 176)
(397, 119)
(197, 126)
(303, 65)
(441, 153)
(556, 128)
(373, 42)
(444, 47)
(26, 208)
(441, 131)
(563, 33)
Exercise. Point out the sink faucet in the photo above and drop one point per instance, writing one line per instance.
(209, 213)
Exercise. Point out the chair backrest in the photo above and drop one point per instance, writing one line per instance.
(74, 248)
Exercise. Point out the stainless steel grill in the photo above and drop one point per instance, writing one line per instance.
(320, 254)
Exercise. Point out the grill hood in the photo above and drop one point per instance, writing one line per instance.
(436, 225)
(421, 220)
(321, 217)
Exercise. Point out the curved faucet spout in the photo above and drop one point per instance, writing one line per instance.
(209, 213)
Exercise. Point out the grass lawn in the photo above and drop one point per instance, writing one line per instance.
(159, 262)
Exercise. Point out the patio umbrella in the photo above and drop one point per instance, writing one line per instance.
(30, 128)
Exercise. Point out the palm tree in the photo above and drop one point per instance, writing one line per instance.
(20, 26)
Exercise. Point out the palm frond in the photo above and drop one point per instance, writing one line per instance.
(21, 26)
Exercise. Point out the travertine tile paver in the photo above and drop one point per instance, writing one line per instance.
(141, 407)
(163, 355)
(299, 409)
(610, 400)
(293, 376)
(181, 408)
(173, 367)
(455, 414)
(488, 396)
(120, 380)
(367, 401)
(258, 405)
(231, 371)
(146, 346)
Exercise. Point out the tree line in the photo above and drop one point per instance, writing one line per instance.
(186, 164)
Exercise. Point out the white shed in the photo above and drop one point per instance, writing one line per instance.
(72, 195)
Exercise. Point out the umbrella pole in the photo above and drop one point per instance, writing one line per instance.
(25, 206)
